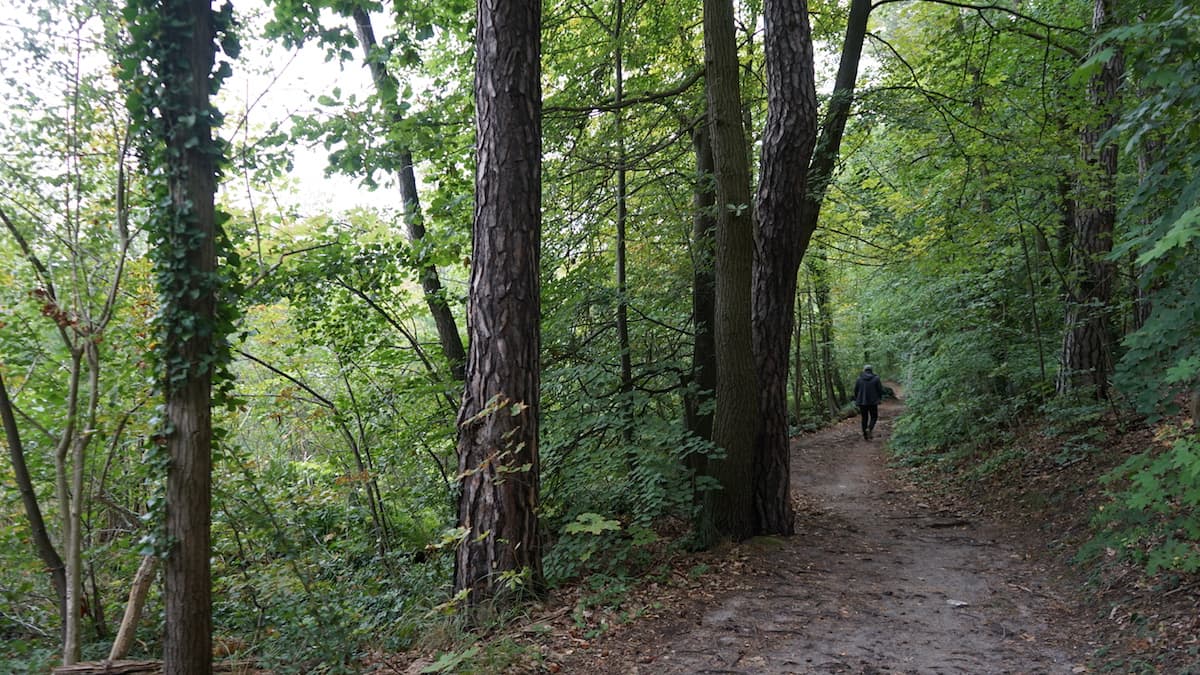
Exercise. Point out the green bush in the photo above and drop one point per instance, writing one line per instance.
(1153, 518)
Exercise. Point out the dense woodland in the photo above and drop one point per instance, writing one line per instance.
(631, 249)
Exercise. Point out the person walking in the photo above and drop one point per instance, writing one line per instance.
(868, 392)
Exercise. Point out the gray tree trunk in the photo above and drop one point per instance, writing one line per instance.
(431, 284)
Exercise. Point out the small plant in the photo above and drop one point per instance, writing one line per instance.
(1154, 516)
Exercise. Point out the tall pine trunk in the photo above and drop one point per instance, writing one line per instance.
(787, 146)
(498, 421)
(1087, 339)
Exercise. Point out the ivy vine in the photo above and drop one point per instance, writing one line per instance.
(197, 307)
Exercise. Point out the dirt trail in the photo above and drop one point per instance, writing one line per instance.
(876, 580)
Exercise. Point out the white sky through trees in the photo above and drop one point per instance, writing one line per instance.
(269, 84)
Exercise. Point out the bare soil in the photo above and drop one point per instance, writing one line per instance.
(879, 578)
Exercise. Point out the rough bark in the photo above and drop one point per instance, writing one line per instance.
(187, 644)
(787, 146)
(431, 284)
(729, 512)
(1087, 339)
(498, 421)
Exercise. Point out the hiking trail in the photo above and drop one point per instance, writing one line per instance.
(878, 579)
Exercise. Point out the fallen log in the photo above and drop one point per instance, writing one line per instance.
(143, 667)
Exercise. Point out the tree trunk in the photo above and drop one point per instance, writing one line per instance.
(623, 343)
(1087, 340)
(729, 511)
(498, 421)
(138, 590)
(188, 293)
(815, 378)
(1148, 152)
(798, 358)
(829, 375)
(704, 357)
(431, 284)
(68, 499)
(828, 147)
(791, 133)
(33, 512)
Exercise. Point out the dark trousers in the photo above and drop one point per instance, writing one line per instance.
(870, 415)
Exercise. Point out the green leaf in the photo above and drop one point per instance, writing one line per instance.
(591, 523)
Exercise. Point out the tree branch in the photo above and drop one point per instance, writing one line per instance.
(628, 101)
(991, 8)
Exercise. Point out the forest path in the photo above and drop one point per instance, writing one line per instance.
(878, 579)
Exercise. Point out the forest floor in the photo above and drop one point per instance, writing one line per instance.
(884, 575)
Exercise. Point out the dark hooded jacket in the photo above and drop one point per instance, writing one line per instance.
(868, 390)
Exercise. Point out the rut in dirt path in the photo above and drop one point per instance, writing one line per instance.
(876, 580)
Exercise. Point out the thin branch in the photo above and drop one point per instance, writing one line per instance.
(991, 8)
(611, 106)
(282, 257)
(324, 402)
(408, 335)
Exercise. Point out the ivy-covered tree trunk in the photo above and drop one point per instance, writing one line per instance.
(431, 284)
(787, 146)
(173, 44)
(190, 296)
(729, 511)
(1087, 340)
(498, 421)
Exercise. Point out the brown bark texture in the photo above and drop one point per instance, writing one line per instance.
(829, 143)
(1087, 340)
(498, 421)
(187, 645)
(729, 512)
(787, 147)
